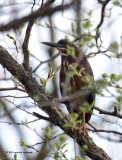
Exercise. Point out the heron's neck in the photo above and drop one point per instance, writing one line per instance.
(64, 63)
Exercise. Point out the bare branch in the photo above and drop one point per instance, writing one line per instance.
(102, 130)
(12, 88)
(39, 13)
(46, 61)
(104, 4)
(41, 117)
(27, 36)
(114, 113)
(25, 45)
(102, 13)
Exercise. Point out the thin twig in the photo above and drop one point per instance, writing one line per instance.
(46, 62)
(101, 111)
(102, 130)
(12, 88)
(41, 117)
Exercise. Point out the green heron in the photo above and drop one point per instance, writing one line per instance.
(75, 68)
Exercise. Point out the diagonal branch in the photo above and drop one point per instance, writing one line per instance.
(56, 116)
(27, 37)
(39, 13)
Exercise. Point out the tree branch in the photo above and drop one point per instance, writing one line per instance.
(104, 4)
(39, 13)
(12, 88)
(41, 117)
(25, 45)
(27, 36)
(56, 116)
(114, 113)
(102, 130)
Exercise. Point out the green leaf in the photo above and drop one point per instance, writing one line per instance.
(71, 51)
(50, 72)
(116, 104)
(73, 66)
(60, 144)
(24, 122)
(48, 132)
(57, 145)
(66, 37)
(119, 99)
(92, 45)
(62, 139)
(81, 43)
(78, 121)
(81, 70)
(56, 155)
(21, 27)
(8, 35)
(86, 79)
(43, 82)
(84, 147)
(73, 119)
(115, 77)
(116, 3)
(87, 25)
(90, 13)
(47, 24)
(62, 147)
(87, 38)
(15, 156)
(67, 125)
(104, 75)
(101, 83)
(52, 65)
(71, 74)
(22, 143)
(65, 151)
(99, 92)
(118, 77)
(83, 109)
(119, 90)
(112, 76)
(47, 91)
(114, 47)
(73, 27)
(73, 116)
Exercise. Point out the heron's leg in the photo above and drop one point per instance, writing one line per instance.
(83, 127)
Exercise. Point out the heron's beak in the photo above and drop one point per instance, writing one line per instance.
(59, 47)
(55, 45)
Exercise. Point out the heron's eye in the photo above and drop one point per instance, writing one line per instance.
(66, 45)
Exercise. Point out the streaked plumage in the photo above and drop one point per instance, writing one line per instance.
(70, 85)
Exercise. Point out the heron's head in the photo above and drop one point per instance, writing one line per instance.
(61, 45)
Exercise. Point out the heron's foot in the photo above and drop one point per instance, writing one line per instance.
(85, 132)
